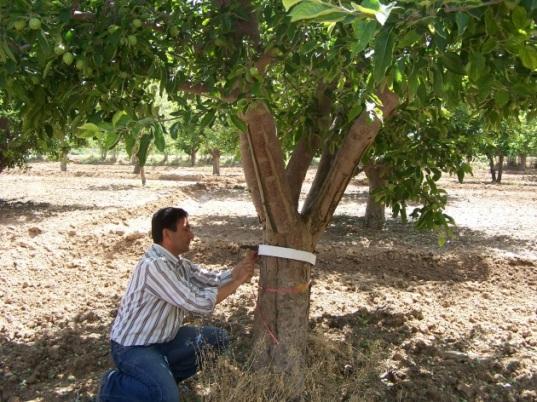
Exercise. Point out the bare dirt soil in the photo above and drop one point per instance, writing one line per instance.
(457, 323)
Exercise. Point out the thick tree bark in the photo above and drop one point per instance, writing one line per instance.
(281, 318)
(375, 216)
(321, 203)
(215, 154)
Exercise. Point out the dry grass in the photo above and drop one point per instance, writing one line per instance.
(334, 372)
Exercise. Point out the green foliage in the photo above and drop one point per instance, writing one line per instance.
(417, 148)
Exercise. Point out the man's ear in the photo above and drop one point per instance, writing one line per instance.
(165, 234)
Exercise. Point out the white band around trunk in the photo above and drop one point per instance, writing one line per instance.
(289, 253)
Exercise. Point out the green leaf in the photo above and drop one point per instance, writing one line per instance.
(129, 144)
(90, 127)
(111, 139)
(501, 98)
(364, 30)
(144, 147)
(383, 53)
(237, 122)
(117, 116)
(408, 39)
(309, 9)
(354, 112)
(520, 17)
(208, 119)
(462, 21)
(287, 4)
(160, 143)
(528, 57)
(452, 62)
(476, 67)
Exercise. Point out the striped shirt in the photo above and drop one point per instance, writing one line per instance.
(162, 288)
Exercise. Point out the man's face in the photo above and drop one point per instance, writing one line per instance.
(178, 242)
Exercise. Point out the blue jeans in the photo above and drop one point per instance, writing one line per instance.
(150, 373)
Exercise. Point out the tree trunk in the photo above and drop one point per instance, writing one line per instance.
(492, 167)
(281, 317)
(523, 161)
(113, 159)
(375, 216)
(215, 154)
(136, 162)
(104, 153)
(142, 175)
(500, 169)
(512, 162)
(63, 161)
(193, 155)
(165, 160)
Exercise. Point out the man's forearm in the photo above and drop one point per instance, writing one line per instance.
(227, 289)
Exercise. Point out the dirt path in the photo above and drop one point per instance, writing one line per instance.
(457, 323)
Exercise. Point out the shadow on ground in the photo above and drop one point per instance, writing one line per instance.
(11, 211)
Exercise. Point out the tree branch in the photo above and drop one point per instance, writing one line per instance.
(78, 15)
(451, 9)
(251, 179)
(267, 161)
(324, 197)
(307, 146)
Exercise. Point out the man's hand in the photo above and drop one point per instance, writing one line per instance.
(240, 274)
(244, 271)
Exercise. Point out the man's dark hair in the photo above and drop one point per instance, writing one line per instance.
(165, 218)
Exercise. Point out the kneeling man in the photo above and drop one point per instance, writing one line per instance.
(150, 347)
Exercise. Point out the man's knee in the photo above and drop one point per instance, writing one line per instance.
(217, 338)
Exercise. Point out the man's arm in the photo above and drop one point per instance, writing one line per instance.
(242, 273)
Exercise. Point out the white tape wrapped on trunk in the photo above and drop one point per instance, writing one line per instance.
(289, 253)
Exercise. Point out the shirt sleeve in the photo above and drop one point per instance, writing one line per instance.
(166, 284)
(207, 277)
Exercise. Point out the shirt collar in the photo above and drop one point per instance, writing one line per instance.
(163, 252)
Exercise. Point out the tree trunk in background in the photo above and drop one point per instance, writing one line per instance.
(193, 155)
(523, 160)
(500, 169)
(136, 163)
(492, 167)
(375, 216)
(165, 160)
(142, 175)
(104, 153)
(512, 162)
(113, 159)
(63, 161)
(215, 154)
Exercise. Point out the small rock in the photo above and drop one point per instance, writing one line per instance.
(34, 231)
(134, 236)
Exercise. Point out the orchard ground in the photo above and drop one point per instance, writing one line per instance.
(393, 316)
